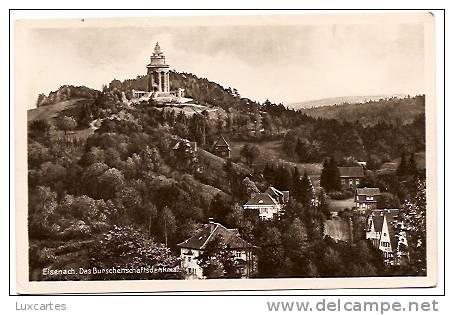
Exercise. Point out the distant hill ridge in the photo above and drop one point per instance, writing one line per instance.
(403, 110)
(342, 100)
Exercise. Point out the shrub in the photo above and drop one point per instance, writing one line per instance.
(341, 195)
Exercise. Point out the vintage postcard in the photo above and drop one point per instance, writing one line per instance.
(225, 153)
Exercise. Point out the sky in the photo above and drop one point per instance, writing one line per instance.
(282, 63)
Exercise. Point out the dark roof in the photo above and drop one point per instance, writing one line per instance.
(351, 171)
(261, 199)
(187, 143)
(368, 191)
(221, 142)
(209, 232)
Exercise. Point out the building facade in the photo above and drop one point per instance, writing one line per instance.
(269, 205)
(241, 251)
(351, 176)
(221, 148)
(366, 198)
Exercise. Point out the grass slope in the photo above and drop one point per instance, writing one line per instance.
(49, 112)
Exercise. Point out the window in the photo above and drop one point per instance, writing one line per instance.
(189, 270)
(388, 254)
(343, 181)
(238, 254)
(189, 259)
(350, 182)
(357, 181)
(385, 244)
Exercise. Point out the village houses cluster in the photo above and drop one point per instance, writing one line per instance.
(270, 204)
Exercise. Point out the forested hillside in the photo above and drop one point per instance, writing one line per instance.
(127, 190)
(393, 110)
(341, 100)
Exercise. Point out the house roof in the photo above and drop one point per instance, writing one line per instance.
(351, 171)
(378, 217)
(276, 193)
(187, 143)
(221, 142)
(367, 191)
(261, 199)
(209, 232)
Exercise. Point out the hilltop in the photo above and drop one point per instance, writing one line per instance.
(201, 90)
(66, 92)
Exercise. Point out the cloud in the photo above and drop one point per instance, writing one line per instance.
(281, 63)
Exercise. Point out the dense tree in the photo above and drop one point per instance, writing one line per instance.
(271, 255)
(387, 201)
(250, 153)
(250, 187)
(412, 218)
(403, 165)
(39, 127)
(116, 247)
(42, 206)
(412, 169)
(66, 123)
(302, 188)
(217, 260)
(330, 179)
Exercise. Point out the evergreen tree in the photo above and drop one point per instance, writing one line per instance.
(403, 166)
(322, 204)
(324, 177)
(306, 190)
(271, 254)
(412, 170)
(330, 177)
(296, 183)
(335, 176)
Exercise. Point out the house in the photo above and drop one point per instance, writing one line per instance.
(350, 176)
(185, 145)
(221, 148)
(380, 230)
(269, 204)
(267, 207)
(366, 198)
(241, 250)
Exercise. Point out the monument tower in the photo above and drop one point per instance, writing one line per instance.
(158, 72)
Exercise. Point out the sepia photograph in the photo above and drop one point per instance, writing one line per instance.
(228, 148)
